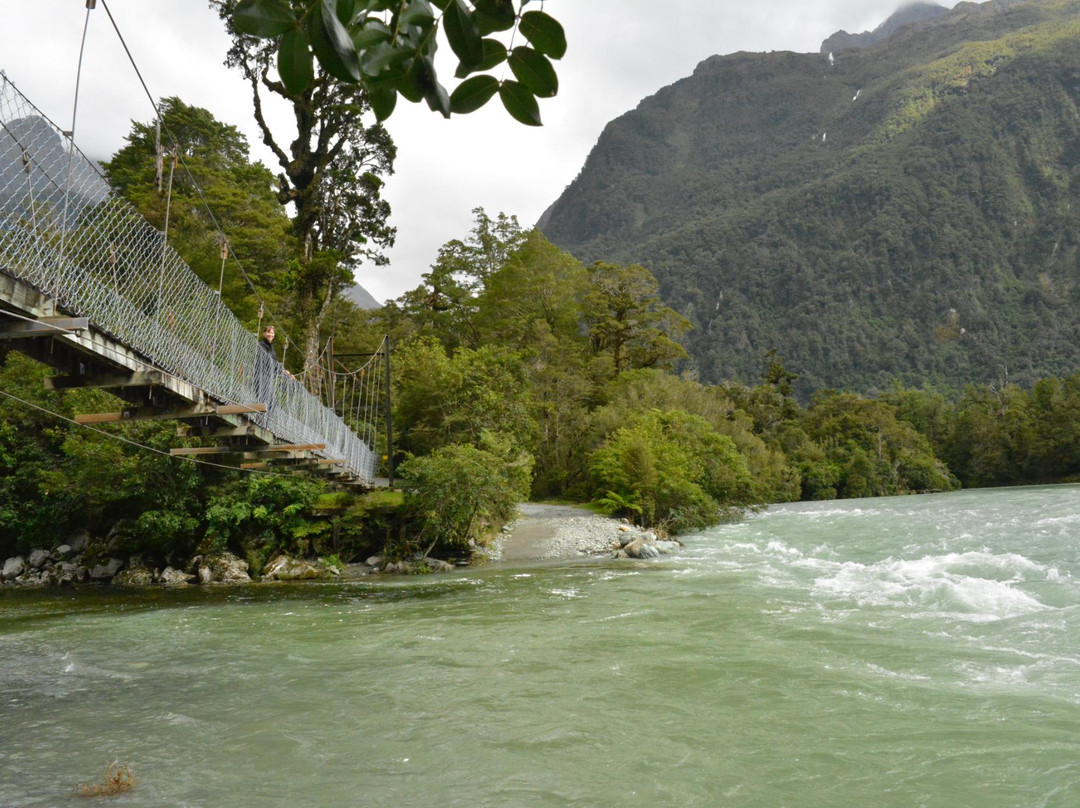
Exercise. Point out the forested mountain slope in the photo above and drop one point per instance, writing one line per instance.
(909, 210)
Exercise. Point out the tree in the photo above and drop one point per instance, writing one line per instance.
(876, 453)
(332, 172)
(217, 184)
(536, 283)
(388, 48)
(627, 321)
(673, 467)
(460, 491)
(441, 399)
(446, 304)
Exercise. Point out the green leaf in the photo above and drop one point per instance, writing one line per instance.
(346, 11)
(438, 100)
(295, 63)
(463, 34)
(494, 15)
(494, 55)
(417, 12)
(534, 70)
(385, 57)
(332, 44)
(412, 84)
(371, 34)
(263, 18)
(473, 93)
(383, 98)
(520, 103)
(544, 32)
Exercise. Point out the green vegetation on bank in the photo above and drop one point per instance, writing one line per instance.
(564, 388)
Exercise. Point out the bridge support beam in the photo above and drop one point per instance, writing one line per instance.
(159, 414)
(43, 327)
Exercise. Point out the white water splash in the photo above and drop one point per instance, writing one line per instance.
(980, 586)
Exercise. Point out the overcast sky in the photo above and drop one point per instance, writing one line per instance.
(619, 52)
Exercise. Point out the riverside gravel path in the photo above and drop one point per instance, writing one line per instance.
(545, 532)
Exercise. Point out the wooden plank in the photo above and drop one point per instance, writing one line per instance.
(255, 465)
(207, 450)
(192, 431)
(158, 414)
(145, 378)
(259, 451)
(43, 327)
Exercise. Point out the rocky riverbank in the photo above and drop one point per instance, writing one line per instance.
(79, 561)
(540, 533)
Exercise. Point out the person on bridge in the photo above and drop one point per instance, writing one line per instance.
(267, 369)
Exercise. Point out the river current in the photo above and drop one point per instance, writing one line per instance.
(913, 651)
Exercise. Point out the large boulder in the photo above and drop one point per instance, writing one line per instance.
(284, 568)
(223, 568)
(174, 577)
(134, 576)
(105, 571)
(38, 558)
(13, 568)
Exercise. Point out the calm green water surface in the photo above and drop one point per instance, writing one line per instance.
(919, 651)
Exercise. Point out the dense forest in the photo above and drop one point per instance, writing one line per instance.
(521, 373)
(902, 211)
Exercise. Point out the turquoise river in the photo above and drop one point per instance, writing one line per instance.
(916, 651)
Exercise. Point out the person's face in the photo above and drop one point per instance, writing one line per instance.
(269, 334)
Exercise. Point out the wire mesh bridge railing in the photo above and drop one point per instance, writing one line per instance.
(65, 232)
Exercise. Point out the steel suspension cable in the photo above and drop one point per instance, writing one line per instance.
(71, 135)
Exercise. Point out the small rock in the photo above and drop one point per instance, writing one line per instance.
(62, 551)
(649, 551)
(374, 561)
(38, 558)
(438, 565)
(67, 572)
(668, 546)
(34, 578)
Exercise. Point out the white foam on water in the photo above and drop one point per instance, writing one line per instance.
(1069, 519)
(975, 585)
(784, 549)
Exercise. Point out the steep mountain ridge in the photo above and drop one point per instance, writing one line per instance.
(907, 211)
(905, 15)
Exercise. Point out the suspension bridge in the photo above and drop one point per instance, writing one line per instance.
(93, 290)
